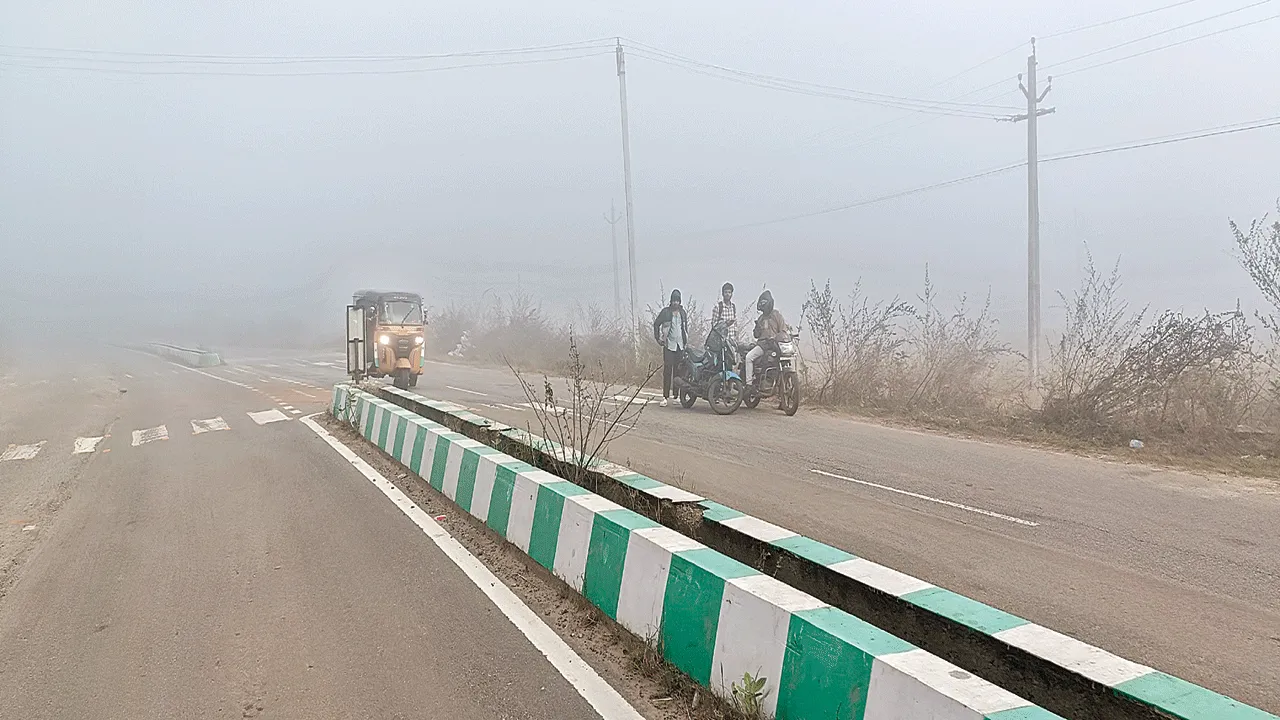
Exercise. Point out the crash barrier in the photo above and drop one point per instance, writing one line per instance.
(719, 621)
(186, 356)
(1055, 671)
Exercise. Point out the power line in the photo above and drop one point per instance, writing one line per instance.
(308, 73)
(164, 57)
(1112, 21)
(1071, 155)
(951, 111)
(1158, 34)
(1148, 51)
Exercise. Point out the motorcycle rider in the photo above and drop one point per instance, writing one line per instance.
(769, 326)
(671, 331)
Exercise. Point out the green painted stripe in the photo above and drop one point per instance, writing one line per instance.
(438, 461)
(547, 511)
(715, 512)
(504, 485)
(691, 609)
(371, 411)
(607, 556)
(639, 482)
(420, 435)
(381, 439)
(826, 670)
(813, 551)
(963, 610)
(1180, 699)
(467, 478)
(397, 446)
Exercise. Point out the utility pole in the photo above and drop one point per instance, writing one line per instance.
(626, 173)
(1034, 111)
(612, 218)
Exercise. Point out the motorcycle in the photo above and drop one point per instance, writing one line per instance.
(710, 374)
(776, 374)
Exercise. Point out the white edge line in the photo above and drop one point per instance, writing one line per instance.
(599, 694)
(464, 390)
(948, 503)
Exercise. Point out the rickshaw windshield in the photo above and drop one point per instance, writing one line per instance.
(401, 312)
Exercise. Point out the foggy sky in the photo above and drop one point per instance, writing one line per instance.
(175, 190)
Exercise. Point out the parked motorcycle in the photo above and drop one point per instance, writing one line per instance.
(776, 374)
(711, 374)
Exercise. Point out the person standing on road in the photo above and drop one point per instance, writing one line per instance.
(671, 331)
(725, 311)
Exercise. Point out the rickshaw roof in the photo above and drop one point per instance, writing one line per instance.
(386, 296)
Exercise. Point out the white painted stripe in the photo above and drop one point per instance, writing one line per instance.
(644, 580)
(142, 437)
(294, 412)
(599, 694)
(415, 426)
(878, 576)
(755, 620)
(86, 445)
(469, 392)
(211, 425)
(673, 493)
(948, 503)
(916, 684)
(759, 529)
(267, 416)
(482, 495)
(524, 500)
(1079, 657)
(639, 400)
(668, 539)
(452, 470)
(574, 539)
(21, 452)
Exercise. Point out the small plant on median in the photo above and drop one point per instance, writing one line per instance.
(594, 409)
(748, 698)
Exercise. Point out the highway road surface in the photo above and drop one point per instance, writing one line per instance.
(1174, 570)
(176, 544)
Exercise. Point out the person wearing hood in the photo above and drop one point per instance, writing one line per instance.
(671, 331)
(769, 326)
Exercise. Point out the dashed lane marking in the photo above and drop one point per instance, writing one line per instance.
(267, 416)
(142, 437)
(210, 425)
(21, 452)
(86, 445)
(918, 496)
(469, 392)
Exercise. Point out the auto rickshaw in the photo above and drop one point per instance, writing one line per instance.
(394, 332)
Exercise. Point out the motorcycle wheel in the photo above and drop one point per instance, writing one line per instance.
(687, 399)
(725, 396)
(750, 398)
(790, 394)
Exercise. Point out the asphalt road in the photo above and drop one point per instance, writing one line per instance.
(1175, 570)
(243, 571)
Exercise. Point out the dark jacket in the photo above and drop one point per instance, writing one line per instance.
(662, 326)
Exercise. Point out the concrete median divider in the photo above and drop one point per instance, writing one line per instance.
(1074, 679)
(187, 356)
(716, 619)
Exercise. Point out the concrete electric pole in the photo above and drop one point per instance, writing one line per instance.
(626, 173)
(612, 218)
(1034, 111)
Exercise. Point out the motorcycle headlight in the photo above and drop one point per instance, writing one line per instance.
(786, 348)
(384, 339)
(417, 340)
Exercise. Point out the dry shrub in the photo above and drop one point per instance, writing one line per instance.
(857, 347)
(1111, 375)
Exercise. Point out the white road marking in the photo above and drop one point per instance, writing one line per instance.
(142, 437)
(295, 412)
(210, 425)
(268, 416)
(469, 392)
(86, 445)
(634, 401)
(602, 697)
(918, 496)
(21, 452)
(512, 407)
(128, 376)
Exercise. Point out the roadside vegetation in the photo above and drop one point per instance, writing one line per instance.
(1198, 389)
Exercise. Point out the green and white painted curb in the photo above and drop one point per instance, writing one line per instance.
(1169, 695)
(186, 356)
(714, 618)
